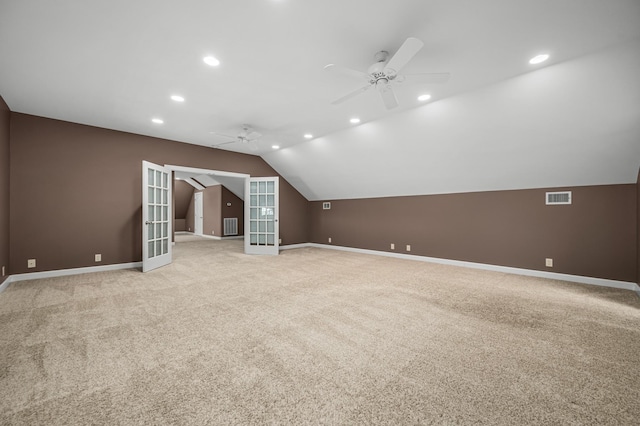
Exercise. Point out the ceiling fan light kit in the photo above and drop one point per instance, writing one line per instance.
(384, 73)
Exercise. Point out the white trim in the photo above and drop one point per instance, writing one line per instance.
(213, 237)
(626, 285)
(527, 272)
(67, 272)
(205, 171)
(6, 283)
(193, 183)
(295, 246)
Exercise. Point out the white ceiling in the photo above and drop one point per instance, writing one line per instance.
(201, 178)
(499, 123)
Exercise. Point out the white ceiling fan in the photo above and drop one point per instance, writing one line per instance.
(384, 73)
(246, 136)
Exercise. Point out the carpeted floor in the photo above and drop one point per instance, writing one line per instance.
(315, 336)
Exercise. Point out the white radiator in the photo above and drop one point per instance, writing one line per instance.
(230, 226)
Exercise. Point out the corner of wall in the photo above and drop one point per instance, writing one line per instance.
(638, 229)
(5, 119)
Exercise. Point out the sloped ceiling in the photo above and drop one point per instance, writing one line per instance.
(498, 123)
(569, 124)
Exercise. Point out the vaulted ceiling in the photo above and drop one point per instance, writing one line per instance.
(499, 122)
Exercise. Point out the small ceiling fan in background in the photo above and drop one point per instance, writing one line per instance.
(384, 73)
(246, 136)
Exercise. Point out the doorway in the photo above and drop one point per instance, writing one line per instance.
(198, 219)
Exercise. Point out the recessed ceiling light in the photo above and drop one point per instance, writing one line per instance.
(424, 97)
(177, 98)
(210, 60)
(308, 136)
(538, 59)
(275, 146)
(157, 120)
(355, 120)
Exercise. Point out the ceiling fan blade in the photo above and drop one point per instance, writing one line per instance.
(346, 71)
(224, 136)
(252, 136)
(351, 94)
(407, 51)
(224, 143)
(429, 78)
(388, 97)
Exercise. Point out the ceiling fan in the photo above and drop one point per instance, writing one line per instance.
(246, 136)
(384, 73)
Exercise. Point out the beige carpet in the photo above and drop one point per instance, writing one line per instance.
(315, 337)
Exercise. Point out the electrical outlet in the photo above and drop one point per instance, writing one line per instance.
(213, 232)
(3, 271)
(329, 239)
(548, 262)
(393, 246)
(279, 240)
(408, 247)
(98, 257)
(31, 263)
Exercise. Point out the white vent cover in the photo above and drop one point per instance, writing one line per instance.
(326, 205)
(230, 226)
(554, 198)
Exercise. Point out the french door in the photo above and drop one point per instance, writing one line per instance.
(261, 210)
(156, 216)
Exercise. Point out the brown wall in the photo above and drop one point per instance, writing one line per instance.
(236, 209)
(188, 221)
(215, 209)
(211, 206)
(182, 195)
(76, 191)
(5, 116)
(595, 236)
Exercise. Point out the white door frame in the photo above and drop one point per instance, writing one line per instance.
(157, 216)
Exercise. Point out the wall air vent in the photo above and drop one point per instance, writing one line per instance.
(555, 198)
(326, 205)
(230, 226)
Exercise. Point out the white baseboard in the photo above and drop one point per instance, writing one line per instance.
(215, 237)
(295, 246)
(66, 272)
(506, 269)
(6, 283)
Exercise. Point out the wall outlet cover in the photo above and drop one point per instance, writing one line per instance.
(329, 239)
(408, 247)
(393, 246)
(31, 263)
(98, 257)
(548, 262)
